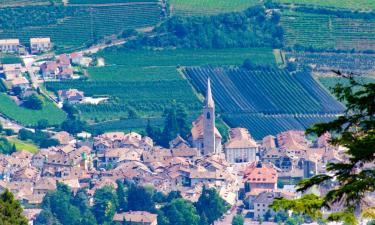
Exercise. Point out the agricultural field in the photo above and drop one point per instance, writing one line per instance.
(209, 7)
(325, 62)
(266, 95)
(24, 145)
(330, 81)
(89, 24)
(150, 81)
(29, 117)
(346, 4)
(327, 31)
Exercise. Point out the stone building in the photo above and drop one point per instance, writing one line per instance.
(241, 147)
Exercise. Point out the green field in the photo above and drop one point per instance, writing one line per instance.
(209, 7)
(327, 31)
(89, 24)
(107, 1)
(12, 3)
(347, 4)
(30, 117)
(330, 82)
(24, 145)
(149, 81)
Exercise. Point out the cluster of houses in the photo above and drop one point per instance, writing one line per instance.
(14, 76)
(63, 67)
(36, 45)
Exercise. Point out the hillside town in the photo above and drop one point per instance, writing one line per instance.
(247, 174)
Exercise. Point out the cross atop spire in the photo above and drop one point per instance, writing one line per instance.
(209, 100)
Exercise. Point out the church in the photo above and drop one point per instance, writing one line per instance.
(205, 136)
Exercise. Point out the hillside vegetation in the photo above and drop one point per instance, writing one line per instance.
(348, 4)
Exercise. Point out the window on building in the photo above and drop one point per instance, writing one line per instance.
(208, 116)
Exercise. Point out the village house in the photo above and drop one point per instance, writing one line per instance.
(65, 74)
(137, 218)
(9, 45)
(12, 71)
(260, 176)
(262, 203)
(39, 45)
(49, 70)
(20, 82)
(72, 96)
(76, 58)
(241, 147)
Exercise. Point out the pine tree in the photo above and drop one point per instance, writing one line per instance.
(11, 210)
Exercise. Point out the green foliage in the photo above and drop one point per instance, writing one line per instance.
(238, 220)
(33, 102)
(211, 205)
(140, 199)
(105, 204)
(349, 4)
(179, 212)
(73, 126)
(355, 131)
(42, 139)
(11, 210)
(6, 147)
(251, 28)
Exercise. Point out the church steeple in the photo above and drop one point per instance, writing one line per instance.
(209, 100)
(209, 145)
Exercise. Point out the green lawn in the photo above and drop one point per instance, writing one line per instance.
(209, 7)
(24, 145)
(9, 59)
(149, 81)
(348, 4)
(30, 117)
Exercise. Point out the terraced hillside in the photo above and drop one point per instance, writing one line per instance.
(328, 31)
(209, 7)
(347, 4)
(148, 81)
(266, 101)
(86, 24)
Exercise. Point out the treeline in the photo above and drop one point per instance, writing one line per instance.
(18, 17)
(250, 28)
(63, 207)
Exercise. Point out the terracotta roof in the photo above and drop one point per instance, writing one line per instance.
(40, 40)
(197, 129)
(9, 42)
(240, 138)
(260, 174)
(136, 216)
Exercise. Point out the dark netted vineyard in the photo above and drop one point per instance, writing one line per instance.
(266, 101)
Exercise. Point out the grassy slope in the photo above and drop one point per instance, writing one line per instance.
(349, 4)
(24, 145)
(28, 116)
(331, 82)
(205, 7)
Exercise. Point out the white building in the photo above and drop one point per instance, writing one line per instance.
(38, 45)
(9, 45)
(240, 147)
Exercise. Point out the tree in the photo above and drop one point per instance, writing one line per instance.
(6, 147)
(182, 122)
(70, 110)
(203, 220)
(105, 204)
(248, 65)
(170, 128)
(11, 210)
(238, 220)
(33, 102)
(181, 212)
(73, 126)
(122, 196)
(354, 179)
(211, 205)
(140, 199)
(48, 142)
(42, 124)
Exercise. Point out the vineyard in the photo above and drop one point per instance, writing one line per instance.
(327, 31)
(12, 3)
(107, 1)
(347, 4)
(209, 7)
(30, 117)
(270, 99)
(331, 82)
(361, 64)
(149, 81)
(90, 24)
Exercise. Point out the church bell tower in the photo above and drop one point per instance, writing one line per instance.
(209, 122)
